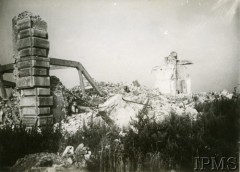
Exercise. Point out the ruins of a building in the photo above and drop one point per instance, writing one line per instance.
(31, 70)
(172, 78)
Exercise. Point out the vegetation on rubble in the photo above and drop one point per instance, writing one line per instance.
(170, 144)
(148, 146)
(17, 142)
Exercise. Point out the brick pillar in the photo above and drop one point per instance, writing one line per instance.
(30, 47)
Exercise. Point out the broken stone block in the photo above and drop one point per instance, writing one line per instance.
(23, 24)
(36, 101)
(32, 32)
(33, 72)
(32, 42)
(32, 81)
(33, 52)
(30, 22)
(35, 111)
(69, 151)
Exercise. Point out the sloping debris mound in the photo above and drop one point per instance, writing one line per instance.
(39, 160)
(124, 101)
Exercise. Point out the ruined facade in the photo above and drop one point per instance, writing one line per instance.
(172, 77)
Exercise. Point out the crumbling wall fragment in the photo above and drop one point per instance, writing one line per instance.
(31, 47)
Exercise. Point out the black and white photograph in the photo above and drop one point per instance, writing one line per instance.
(119, 85)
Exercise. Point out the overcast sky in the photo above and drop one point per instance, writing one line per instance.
(122, 40)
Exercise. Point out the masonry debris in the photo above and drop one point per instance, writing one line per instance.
(41, 162)
(119, 107)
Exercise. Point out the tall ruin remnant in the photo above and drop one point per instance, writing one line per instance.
(31, 47)
(172, 77)
(31, 70)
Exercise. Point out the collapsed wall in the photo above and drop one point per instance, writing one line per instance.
(31, 47)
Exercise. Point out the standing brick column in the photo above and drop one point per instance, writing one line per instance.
(31, 46)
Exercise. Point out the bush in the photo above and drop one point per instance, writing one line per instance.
(221, 125)
(17, 142)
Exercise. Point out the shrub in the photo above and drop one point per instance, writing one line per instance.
(17, 142)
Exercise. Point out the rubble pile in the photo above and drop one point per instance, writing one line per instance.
(69, 160)
(9, 110)
(40, 162)
(159, 105)
(74, 94)
(73, 123)
(122, 102)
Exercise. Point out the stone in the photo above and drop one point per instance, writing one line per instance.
(69, 151)
(35, 111)
(32, 32)
(24, 24)
(33, 72)
(32, 81)
(136, 83)
(30, 121)
(35, 91)
(38, 23)
(46, 162)
(33, 63)
(36, 101)
(31, 22)
(80, 150)
(32, 42)
(38, 161)
(33, 58)
(33, 52)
